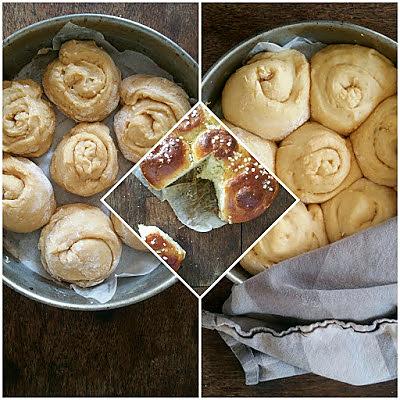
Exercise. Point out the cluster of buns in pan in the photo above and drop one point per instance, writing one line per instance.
(244, 188)
(331, 123)
(79, 243)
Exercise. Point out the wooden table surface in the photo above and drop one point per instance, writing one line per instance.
(224, 26)
(147, 349)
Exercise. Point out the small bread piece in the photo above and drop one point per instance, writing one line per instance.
(83, 81)
(151, 107)
(79, 245)
(166, 247)
(126, 235)
(347, 82)
(243, 187)
(28, 197)
(85, 162)
(29, 121)
(316, 163)
(301, 230)
(360, 206)
(264, 150)
(375, 144)
(269, 96)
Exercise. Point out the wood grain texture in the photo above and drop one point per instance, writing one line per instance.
(147, 349)
(224, 26)
(208, 254)
(222, 373)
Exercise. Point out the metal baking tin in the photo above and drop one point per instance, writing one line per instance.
(18, 50)
(329, 32)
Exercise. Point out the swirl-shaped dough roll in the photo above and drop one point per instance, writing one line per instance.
(263, 149)
(360, 206)
(79, 245)
(347, 83)
(316, 163)
(375, 144)
(28, 120)
(83, 82)
(126, 235)
(270, 95)
(151, 107)
(28, 198)
(85, 162)
(301, 230)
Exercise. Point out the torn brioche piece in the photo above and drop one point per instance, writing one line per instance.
(163, 244)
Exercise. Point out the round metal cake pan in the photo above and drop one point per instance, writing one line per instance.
(329, 32)
(18, 50)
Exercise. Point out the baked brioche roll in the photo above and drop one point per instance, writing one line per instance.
(375, 144)
(28, 120)
(126, 235)
(269, 96)
(244, 188)
(79, 245)
(360, 206)
(28, 198)
(301, 230)
(151, 107)
(347, 83)
(85, 162)
(316, 163)
(264, 150)
(83, 81)
(163, 244)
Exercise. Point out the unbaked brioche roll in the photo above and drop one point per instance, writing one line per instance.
(85, 161)
(151, 107)
(360, 206)
(79, 245)
(263, 149)
(28, 198)
(301, 230)
(28, 120)
(126, 235)
(269, 96)
(316, 163)
(347, 83)
(83, 82)
(375, 144)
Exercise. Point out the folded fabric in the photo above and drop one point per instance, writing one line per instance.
(331, 312)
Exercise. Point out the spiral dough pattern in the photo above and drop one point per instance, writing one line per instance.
(83, 82)
(347, 83)
(28, 120)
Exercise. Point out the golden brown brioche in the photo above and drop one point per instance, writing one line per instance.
(360, 206)
(151, 107)
(166, 247)
(301, 230)
(269, 96)
(243, 187)
(264, 150)
(316, 163)
(83, 81)
(347, 83)
(126, 235)
(28, 198)
(28, 120)
(375, 144)
(79, 245)
(85, 162)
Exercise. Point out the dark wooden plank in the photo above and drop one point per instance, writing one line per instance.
(148, 349)
(208, 254)
(222, 374)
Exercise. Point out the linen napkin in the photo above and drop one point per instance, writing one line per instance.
(331, 312)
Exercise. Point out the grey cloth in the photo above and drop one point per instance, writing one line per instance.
(331, 312)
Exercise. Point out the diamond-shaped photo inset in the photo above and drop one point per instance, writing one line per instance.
(201, 197)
